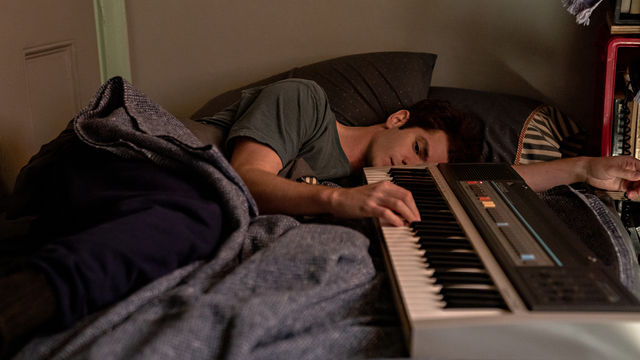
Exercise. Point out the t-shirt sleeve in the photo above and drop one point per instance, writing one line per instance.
(284, 116)
(549, 135)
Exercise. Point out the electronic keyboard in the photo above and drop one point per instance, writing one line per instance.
(491, 273)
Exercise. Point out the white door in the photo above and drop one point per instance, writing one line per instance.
(48, 71)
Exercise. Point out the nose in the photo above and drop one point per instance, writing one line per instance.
(412, 159)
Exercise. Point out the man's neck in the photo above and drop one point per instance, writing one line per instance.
(355, 141)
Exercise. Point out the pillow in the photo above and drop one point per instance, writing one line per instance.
(362, 89)
(548, 135)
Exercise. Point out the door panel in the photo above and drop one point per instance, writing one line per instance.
(53, 64)
(48, 70)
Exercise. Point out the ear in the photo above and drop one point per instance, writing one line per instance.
(397, 119)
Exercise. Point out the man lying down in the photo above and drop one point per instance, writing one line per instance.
(93, 240)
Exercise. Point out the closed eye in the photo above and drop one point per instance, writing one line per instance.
(421, 148)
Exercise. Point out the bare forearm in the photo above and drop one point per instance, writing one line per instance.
(258, 166)
(545, 175)
(276, 195)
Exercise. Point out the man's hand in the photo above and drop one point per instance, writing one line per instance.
(620, 173)
(390, 203)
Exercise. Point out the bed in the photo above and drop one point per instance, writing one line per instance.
(280, 287)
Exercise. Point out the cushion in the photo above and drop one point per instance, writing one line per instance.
(363, 89)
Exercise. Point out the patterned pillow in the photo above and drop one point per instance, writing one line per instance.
(548, 134)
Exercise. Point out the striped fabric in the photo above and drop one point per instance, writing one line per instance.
(548, 134)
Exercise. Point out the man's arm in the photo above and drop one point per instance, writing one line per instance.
(258, 165)
(619, 173)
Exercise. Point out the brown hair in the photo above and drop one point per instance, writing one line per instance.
(464, 131)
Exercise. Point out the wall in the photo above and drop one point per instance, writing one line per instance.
(184, 52)
(48, 72)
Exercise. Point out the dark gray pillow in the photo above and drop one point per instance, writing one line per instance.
(363, 89)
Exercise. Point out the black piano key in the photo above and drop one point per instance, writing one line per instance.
(452, 260)
(421, 172)
(406, 181)
(441, 232)
(426, 240)
(457, 278)
(469, 297)
(470, 293)
(419, 188)
(442, 237)
(474, 303)
(412, 177)
(445, 216)
(426, 224)
(441, 218)
(431, 204)
(429, 209)
(429, 201)
(412, 180)
(437, 228)
(432, 244)
(453, 254)
(426, 231)
(435, 214)
(444, 265)
(426, 194)
(417, 185)
(452, 263)
(432, 208)
(428, 197)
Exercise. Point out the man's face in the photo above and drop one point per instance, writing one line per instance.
(408, 146)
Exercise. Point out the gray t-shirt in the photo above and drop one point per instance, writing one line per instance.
(292, 117)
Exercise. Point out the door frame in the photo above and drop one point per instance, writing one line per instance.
(113, 38)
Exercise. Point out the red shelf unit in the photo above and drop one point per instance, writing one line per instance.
(614, 45)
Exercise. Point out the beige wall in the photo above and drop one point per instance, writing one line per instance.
(48, 72)
(184, 52)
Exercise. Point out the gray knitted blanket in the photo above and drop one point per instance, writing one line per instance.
(275, 289)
